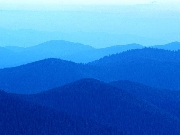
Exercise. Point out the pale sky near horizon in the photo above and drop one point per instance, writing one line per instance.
(73, 1)
(121, 2)
(72, 4)
(147, 18)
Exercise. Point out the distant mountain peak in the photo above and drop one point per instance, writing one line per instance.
(173, 46)
(63, 42)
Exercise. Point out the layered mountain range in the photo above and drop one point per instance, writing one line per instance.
(14, 56)
(60, 87)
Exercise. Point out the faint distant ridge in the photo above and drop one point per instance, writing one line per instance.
(55, 49)
(76, 52)
(4, 51)
(174, 46)
(7, 56)
(28, 37)
(91, 55)
(15, 49)
(15, 56)
(61, 46)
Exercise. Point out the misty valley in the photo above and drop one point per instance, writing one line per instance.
(65, 88)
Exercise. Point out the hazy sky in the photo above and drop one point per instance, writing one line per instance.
(87, 1)
(146, 18)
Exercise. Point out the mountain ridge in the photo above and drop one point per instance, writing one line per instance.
(99, 101)
(21, 117)
(173, 46)
(165, 99)
(141, 66)
(62, 49)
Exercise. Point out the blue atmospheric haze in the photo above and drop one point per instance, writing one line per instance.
(98, 26)
(90, 70)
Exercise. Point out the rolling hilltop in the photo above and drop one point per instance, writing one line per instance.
(39, 76)
(174, 46)
(108, 105)
(168, 100)
(153, 67)
(14, 56)
(76, 52)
